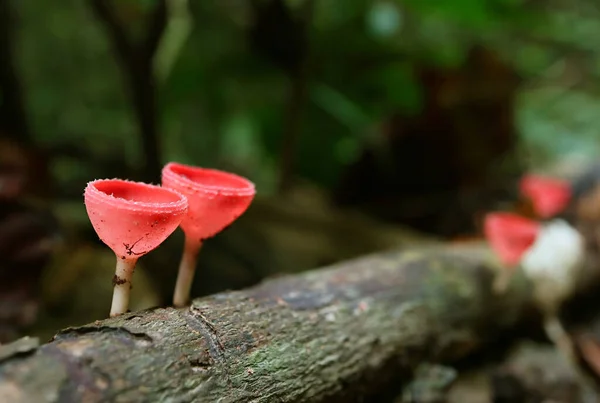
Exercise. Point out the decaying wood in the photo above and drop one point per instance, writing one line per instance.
(337, 334)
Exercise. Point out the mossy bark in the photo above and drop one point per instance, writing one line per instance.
(341, 333)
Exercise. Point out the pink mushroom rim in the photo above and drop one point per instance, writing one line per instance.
(206, 180)
(549, 196)
(135, 196)
(216, 198)
(133, 218)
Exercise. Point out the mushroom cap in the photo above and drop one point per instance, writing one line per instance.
(133, 218)
(549, 196)
(216, 198)
(510, 235)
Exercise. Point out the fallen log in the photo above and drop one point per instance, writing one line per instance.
(342, 333)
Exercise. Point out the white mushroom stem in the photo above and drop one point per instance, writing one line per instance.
(552, 264)
(187, 269)
(122, 286)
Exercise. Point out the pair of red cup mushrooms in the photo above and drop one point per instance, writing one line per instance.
(520, 241)
(550, 252)
(133, 218)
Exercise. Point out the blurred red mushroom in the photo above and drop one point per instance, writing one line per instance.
(216, 199)
(551, 255)
(132, 218)
(549, 196)
(510, 235)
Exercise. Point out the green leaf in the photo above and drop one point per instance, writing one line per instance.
(338, 106)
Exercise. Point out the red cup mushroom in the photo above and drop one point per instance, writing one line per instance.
(216, 199)
(551, 255)
(549, 196)
(131, 218)
(509, 235)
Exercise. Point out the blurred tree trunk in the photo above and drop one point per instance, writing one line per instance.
(435, 171)
(281, 35)
(136, 62)
(13, 116)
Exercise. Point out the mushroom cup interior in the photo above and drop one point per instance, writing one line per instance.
(136, 192)
(212, 178)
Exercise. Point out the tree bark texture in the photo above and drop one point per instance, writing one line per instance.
(338, 334)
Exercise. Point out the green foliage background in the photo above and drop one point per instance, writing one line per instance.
(224, 105)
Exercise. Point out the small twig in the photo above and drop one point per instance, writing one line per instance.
(564, 343)
(198, 321)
